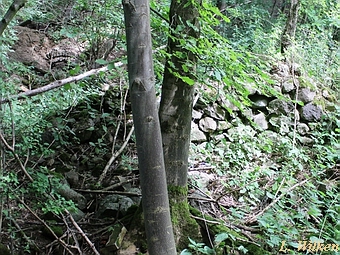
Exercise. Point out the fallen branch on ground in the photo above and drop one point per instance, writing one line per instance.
(57, 84)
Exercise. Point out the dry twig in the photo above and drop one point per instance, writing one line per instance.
(113, 158)
(83, 234)
(254, 218)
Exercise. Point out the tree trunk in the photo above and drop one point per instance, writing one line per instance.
(176, 112)
(11, 12)
(290, 28)
(148, 133)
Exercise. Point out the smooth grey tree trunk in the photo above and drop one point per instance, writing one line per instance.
(155, 201)
(11, 12)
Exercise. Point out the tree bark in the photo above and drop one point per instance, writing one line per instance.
(11, 12)
(176, 113)
(147, 129)
(288, 34)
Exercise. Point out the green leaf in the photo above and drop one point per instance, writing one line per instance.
(270, 195)
(101, 62)
(186, 252)
(185, 68)
(218, 75)
(75, 70)
(67, 86)
(111, 66)
(67, 33)
(221, 237)
(188, 80)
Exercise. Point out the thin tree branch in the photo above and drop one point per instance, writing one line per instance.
(113, 158)
(11, 149)
(60, 83)
(83, 234)
(46, 226)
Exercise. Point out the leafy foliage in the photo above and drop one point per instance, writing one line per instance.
(297, 183)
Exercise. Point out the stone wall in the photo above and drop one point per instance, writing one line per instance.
(297, 104)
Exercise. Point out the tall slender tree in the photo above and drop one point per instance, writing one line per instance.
(155, 201)
(176, 112)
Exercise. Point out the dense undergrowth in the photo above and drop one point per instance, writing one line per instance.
(285, 191)
(292, 189)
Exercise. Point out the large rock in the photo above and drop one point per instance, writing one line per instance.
(279, 106)
(310, 113)
(113, 204)
(305, 95)
(31, 48)
(196, 134)
(38, 50)
(208, 124)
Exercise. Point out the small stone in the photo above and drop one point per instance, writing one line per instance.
(250, 87)
(306, 140)
(288, 86)
(259, 101)
(302, 128)
(219, 137)
(325, 94)
(240, 130)
(281, 124)
(196, 115)
(112, 204)
(215, 111)
(305, 95)
(223, 125)
(260, 120)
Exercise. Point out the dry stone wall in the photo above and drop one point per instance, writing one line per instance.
(296, 106)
